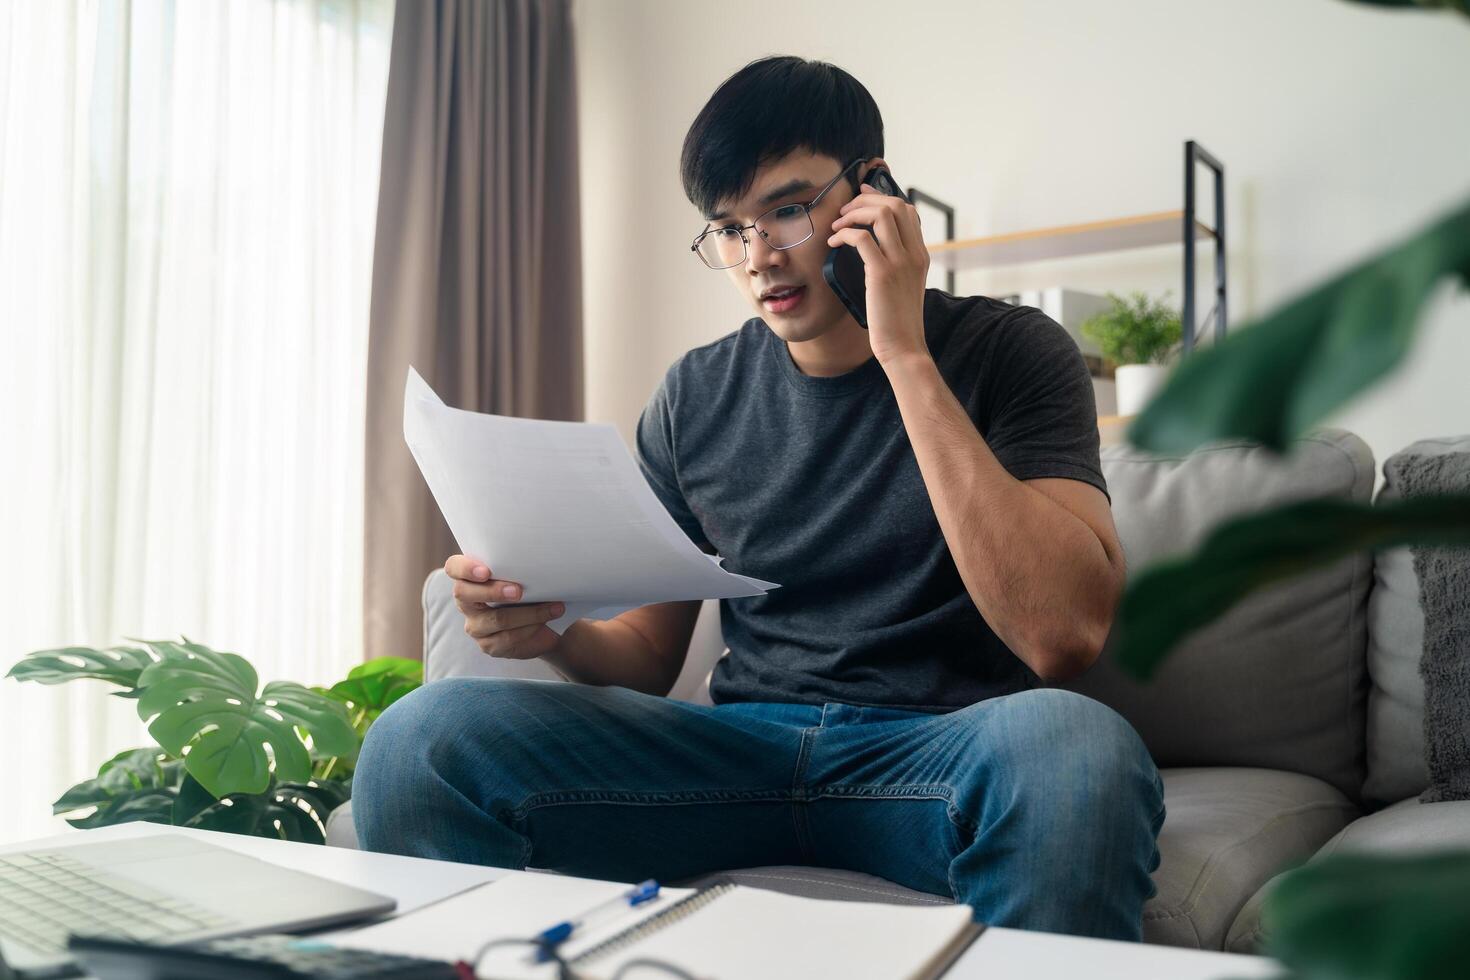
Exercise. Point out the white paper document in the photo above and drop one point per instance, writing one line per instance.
(559, 507)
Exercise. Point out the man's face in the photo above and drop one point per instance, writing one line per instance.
(794, 179)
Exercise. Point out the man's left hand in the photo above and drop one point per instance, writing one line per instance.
(896, 269)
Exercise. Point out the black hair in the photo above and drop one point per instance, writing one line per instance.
(768, 109)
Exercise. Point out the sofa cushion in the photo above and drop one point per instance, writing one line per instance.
(1279, 681)
(1226, 832)
(340, 831)
(1396, 757)
(1405, 827)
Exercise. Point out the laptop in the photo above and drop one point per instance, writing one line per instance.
(167, 889)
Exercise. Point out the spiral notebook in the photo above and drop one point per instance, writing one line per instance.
(721, 932)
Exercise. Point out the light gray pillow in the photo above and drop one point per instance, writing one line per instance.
(1396, 754)
(1279, 681)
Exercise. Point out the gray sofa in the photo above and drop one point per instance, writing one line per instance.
(1290, 728)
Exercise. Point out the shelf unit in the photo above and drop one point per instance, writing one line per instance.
(1112, 430)
(1112, 235)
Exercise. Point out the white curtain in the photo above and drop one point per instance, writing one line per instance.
(187, 202)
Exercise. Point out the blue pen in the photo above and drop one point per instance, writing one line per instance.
(551, 938)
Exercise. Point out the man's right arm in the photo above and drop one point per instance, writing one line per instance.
(643, 649)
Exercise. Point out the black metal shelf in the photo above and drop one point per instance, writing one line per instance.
(1116, 234)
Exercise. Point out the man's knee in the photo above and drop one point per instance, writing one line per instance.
(1048, 721)
(419, 737)
(1063, 749)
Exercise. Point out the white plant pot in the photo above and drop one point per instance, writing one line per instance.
(1137, 383)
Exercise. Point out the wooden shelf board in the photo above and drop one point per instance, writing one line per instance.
(1112, 430)
(1137, 231)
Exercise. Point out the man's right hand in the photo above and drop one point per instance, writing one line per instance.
(515, 632)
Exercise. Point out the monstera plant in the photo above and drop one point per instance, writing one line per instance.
(270, 761)
(1346, 917)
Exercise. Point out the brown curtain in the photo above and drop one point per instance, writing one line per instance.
(476, 267)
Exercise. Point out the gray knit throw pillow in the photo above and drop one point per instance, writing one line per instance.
(1444, 595)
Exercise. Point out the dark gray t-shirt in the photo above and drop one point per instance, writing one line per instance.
(811, 482)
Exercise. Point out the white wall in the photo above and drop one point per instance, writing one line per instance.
(1341, 127)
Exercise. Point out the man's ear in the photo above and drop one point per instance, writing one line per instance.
(866, 167)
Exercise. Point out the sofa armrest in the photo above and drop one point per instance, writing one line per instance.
(449, 651)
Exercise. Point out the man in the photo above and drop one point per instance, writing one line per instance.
(928, 494)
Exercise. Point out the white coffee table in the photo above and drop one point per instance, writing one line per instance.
(999, 954)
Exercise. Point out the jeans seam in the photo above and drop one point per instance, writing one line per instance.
(959, 828)
(526, 848)
(911, 791)
(799, 815)
(624, 798)
(516, 823)
(907, 791)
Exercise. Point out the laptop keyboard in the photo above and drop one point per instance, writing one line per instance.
(46, 895)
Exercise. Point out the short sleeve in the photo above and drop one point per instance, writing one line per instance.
(1043, 413)
(656, 458)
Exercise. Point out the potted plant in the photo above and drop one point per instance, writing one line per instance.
(1137, 334)
(270, 761)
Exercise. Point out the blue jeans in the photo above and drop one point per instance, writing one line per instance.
(1040, 810)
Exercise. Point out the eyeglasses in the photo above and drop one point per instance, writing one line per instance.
(784, 226)
(515, 961)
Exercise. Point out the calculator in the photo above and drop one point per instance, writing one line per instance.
(265, 957)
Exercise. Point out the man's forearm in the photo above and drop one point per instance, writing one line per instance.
(609, 653)
(1032, 568)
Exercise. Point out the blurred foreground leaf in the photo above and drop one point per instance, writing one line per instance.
(1373, 917)
(1463, 6)
(1169, 600)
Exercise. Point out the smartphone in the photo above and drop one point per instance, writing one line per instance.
(843, 269)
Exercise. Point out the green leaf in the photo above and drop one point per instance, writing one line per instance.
(288, 811)
(1271, 381)
(119, 665)
(136, 769)
(1169, 600)
(394, 666)
(302, 808)
(324, 719)
(371, 687)
(1373, 917)
(126, 772)
(151, 806)
(1463, 6)
(205, 708)
(192, 801)
(137, 784)
(238, 813)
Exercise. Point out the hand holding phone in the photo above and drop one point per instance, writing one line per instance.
(843, 268)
